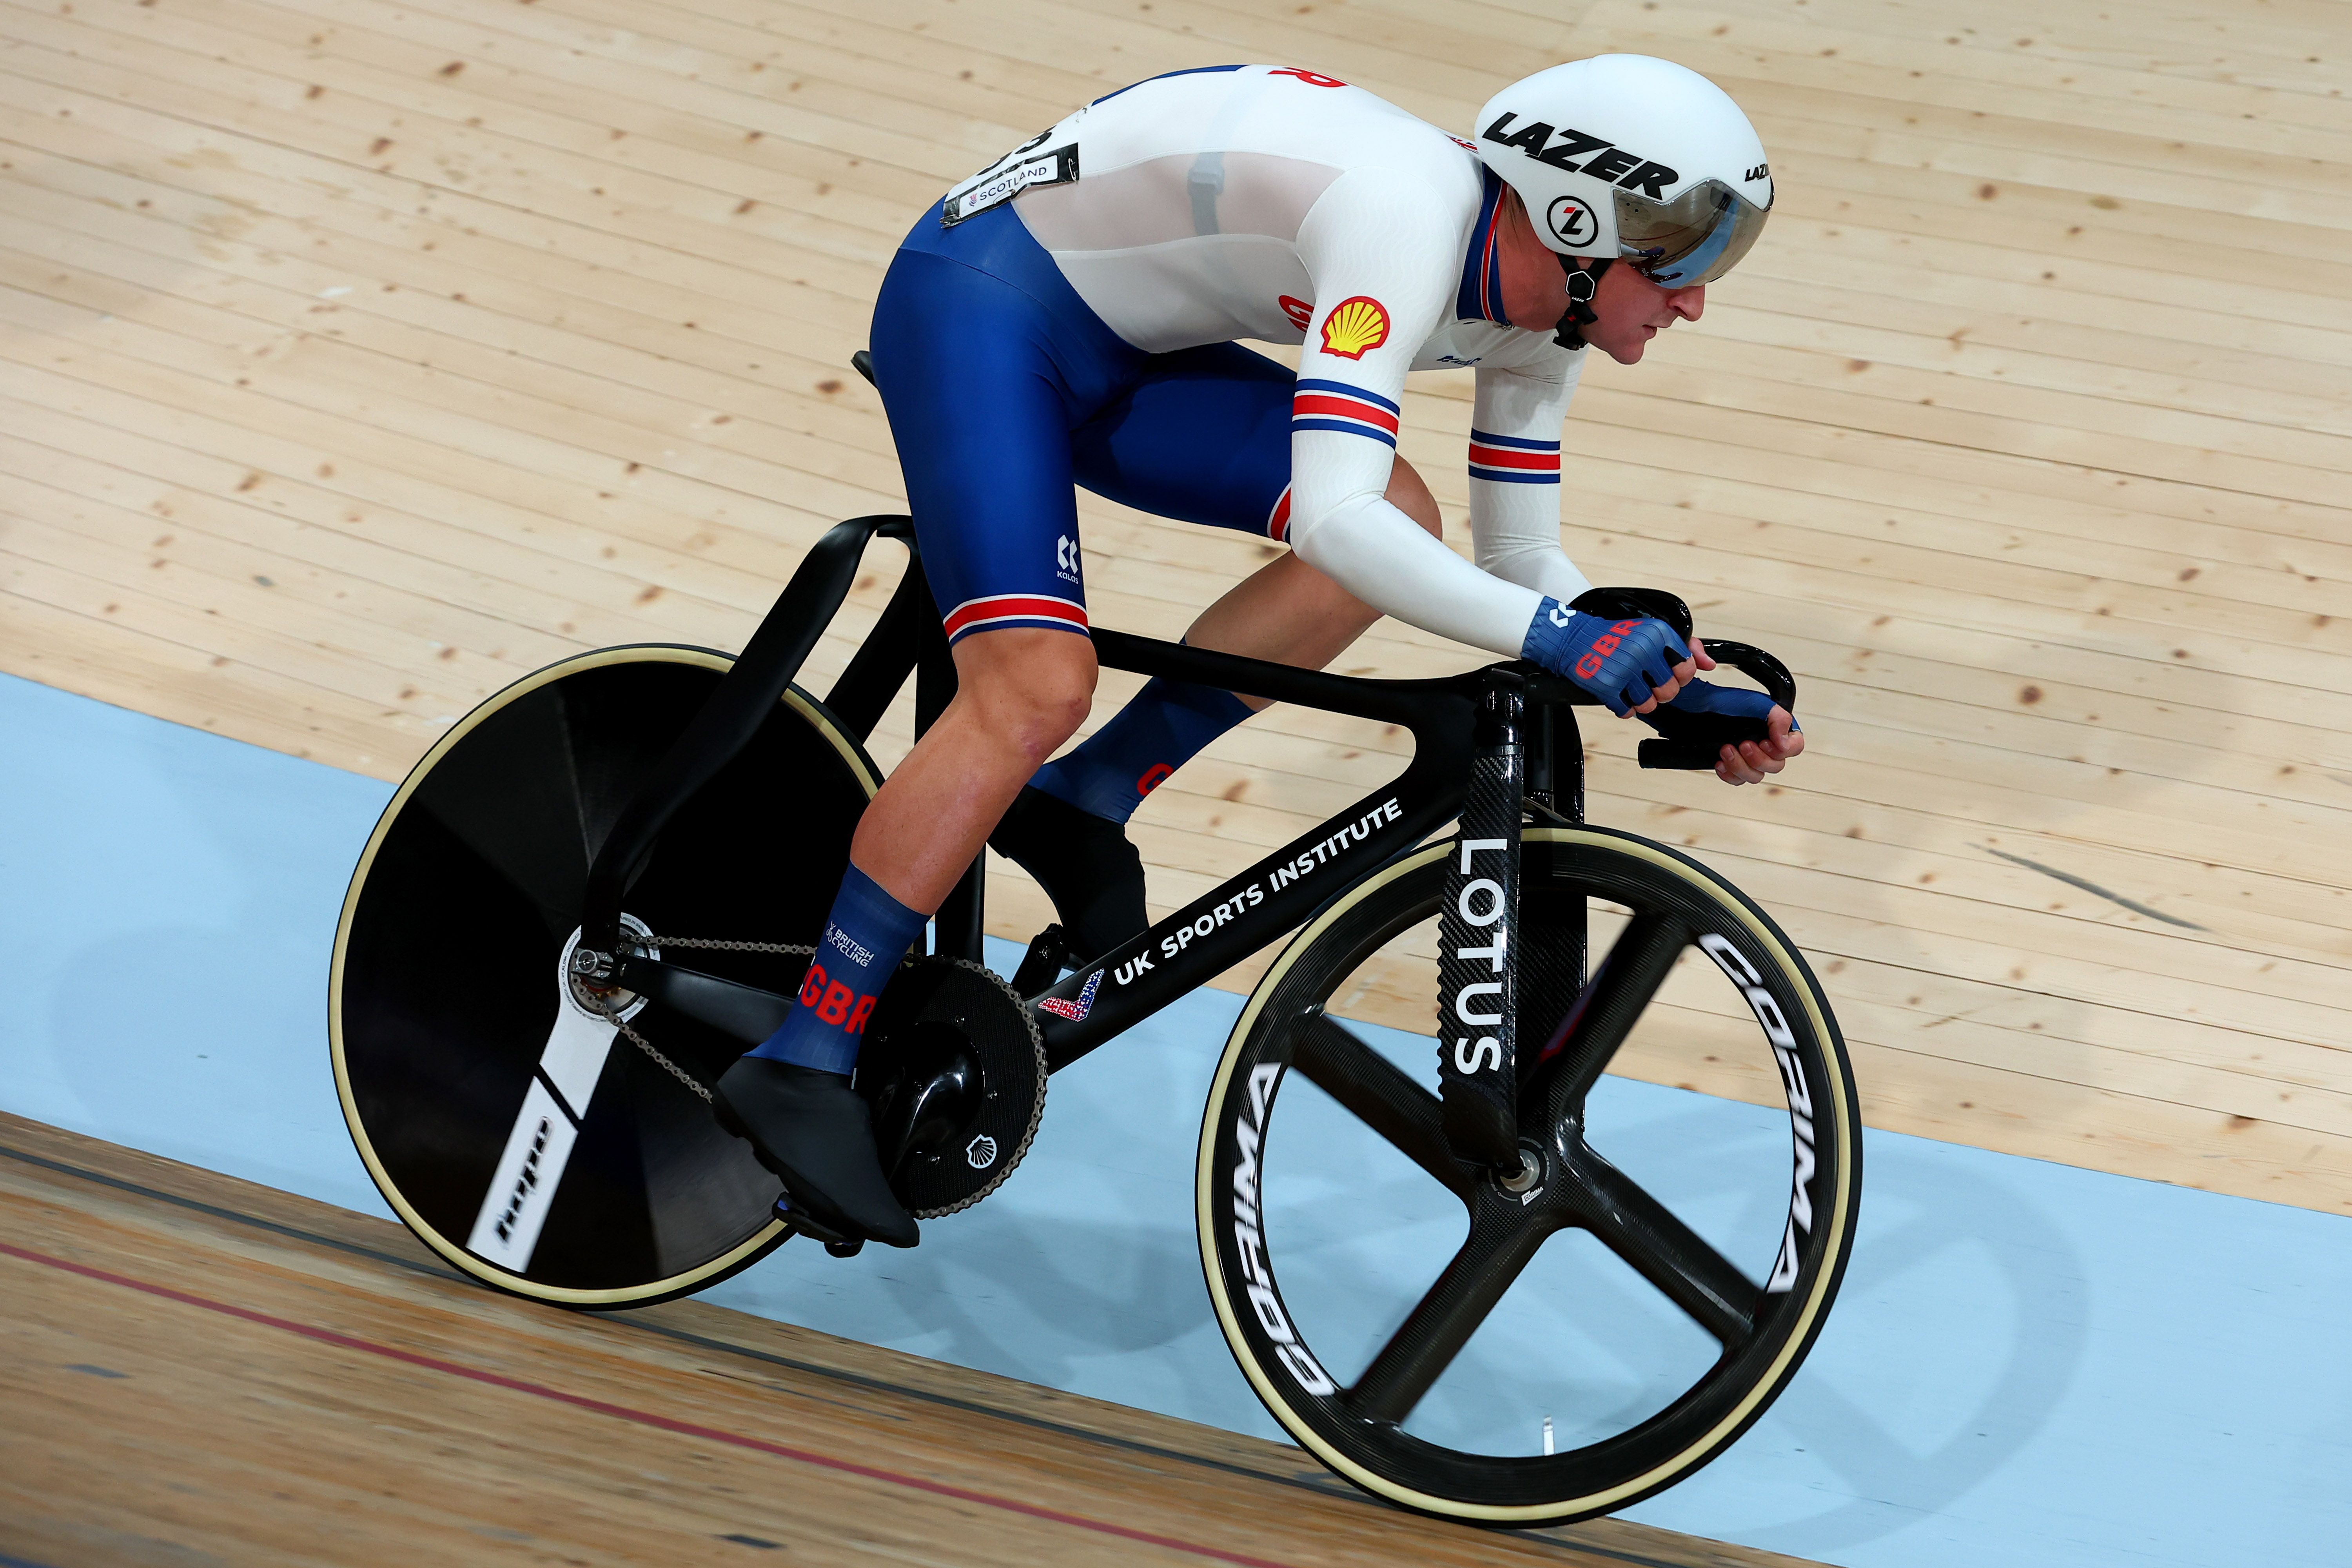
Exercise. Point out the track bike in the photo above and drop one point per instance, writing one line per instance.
(602, 884)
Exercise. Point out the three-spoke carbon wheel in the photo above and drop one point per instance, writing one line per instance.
(1542, 1344)
(506, 1120)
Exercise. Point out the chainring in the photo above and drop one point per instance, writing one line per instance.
(954, 1070)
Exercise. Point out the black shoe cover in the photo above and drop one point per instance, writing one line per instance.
(813, 1131)
(1085, 864)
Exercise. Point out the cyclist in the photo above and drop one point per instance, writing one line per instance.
(1069, 315)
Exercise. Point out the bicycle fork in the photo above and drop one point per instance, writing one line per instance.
(1477, 933)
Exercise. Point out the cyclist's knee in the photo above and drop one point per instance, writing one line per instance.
(1410, 495)
(1033, 686)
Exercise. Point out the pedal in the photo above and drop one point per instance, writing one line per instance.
(801, 1224)
(1049, 954)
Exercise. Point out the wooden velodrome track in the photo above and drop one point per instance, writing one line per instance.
(352, 1400)
(358, 357)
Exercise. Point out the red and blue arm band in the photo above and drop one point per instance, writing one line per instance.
(1513, 459)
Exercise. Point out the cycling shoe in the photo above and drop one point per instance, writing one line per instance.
(815, 1133)
(1085, 864)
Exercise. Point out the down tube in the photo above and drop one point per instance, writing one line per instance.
(1265, 903)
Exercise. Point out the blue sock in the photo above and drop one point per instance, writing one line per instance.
(1148, 739)
(865, 937)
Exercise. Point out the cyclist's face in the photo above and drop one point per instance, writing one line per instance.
(1631, 311)
(1631, 308)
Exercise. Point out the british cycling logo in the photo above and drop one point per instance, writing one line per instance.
(1355, 326)
(1075, 1011)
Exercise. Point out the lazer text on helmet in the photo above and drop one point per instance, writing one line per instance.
(1602, 160)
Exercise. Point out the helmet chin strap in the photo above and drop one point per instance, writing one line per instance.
(1584, 282)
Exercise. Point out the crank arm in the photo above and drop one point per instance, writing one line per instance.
(745, 1012)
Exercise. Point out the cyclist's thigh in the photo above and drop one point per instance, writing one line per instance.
(979, 408)
(1202, 437)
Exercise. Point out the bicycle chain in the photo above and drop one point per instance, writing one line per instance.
(721, 944)
(718, 944)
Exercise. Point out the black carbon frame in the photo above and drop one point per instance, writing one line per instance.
(1275, 896)
(1208, 936)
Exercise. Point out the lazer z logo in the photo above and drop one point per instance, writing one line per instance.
(1249, 1244)
(1784, 1041)
(1601, 158)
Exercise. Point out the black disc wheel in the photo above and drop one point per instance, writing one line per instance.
(1540, 1344)
(512, 1126)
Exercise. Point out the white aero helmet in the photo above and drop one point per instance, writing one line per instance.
(1632, 158)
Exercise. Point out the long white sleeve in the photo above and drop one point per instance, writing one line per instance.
(1514, 470)
(1384, 274)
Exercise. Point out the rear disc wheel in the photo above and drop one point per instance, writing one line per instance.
(505, 1121)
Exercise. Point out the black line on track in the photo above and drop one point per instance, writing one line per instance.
(2071, 880)
(1331, 1489)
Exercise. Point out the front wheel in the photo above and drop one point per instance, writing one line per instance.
(1544, 1344)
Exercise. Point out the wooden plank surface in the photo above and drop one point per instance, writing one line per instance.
(357, 357)
(355, 1402)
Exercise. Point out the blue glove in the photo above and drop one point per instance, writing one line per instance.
(1620, 662)
(1708, 717)
(1699, 696)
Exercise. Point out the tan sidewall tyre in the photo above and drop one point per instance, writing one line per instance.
(704, 1271)
(1311, 1420)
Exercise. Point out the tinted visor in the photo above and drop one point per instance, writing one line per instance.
(1694, 238)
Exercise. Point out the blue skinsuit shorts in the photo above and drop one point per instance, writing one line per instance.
(1005, 390)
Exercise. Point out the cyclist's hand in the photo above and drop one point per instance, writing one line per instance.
(1750, 760)
(1632, 666)
(1744, 762)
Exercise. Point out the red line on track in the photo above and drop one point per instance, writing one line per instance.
(641, 1417)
